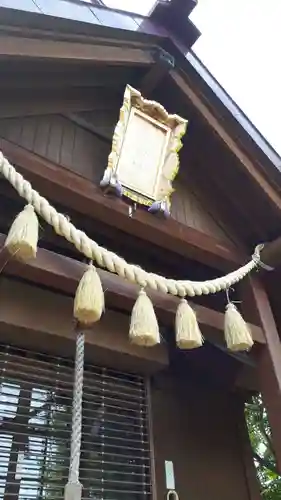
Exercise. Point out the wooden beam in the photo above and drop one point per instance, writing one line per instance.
(174, 17)
(29, 319)
(62, 273)
(250, 167)
(28, 102)
(164, 62)
(72, 190)
(95, 52)
(269, 365)
(247, 455)
(61, 76)
(86, 125)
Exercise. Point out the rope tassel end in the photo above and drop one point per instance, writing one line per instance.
(144, 329)
(22, 238)
(89, 298)
(188, 334)
(237, 334)
(73, 491)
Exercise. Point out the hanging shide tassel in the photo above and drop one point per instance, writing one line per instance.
(237, 334)
(89, 298)
(73, 489)
(22, 238)
(144, 329)
(188, 334)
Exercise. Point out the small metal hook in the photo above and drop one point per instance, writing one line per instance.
(227, 291)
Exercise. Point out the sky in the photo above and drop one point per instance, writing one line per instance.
(243, 60)
(240, 45)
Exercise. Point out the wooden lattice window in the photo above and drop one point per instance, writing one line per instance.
(35, 421)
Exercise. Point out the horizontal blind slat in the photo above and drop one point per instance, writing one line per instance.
(35, 429)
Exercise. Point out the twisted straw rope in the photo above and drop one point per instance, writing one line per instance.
(77, 411)
(110, 260)
(172, 495)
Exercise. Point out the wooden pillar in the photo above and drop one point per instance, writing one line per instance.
(269, 365)
(247, 455)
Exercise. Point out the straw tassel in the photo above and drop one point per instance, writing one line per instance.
(144, 329)
(237, 334)
(89, 298)
(22, 238)
(188, 334)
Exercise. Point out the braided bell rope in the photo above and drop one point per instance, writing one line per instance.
(109, 260)
(75, 447)
(172, 495)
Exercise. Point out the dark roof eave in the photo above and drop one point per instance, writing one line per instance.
(24, 21)
(174, 16)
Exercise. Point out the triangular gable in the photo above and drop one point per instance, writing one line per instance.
(68, 143)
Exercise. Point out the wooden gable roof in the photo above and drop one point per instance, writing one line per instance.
(154, 59)
(65, 79)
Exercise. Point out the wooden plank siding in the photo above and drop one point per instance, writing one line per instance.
(59, 140)
(196, 428)
(68, 144)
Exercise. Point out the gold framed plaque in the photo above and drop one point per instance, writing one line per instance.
(144, 159)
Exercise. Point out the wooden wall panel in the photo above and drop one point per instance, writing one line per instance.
(69, 144)
(187, 209)
(104, 121)
(60, 140)
(198, 430)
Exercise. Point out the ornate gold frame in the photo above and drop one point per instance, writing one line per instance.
(173, 126)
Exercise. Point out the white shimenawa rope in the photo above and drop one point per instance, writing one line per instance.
(111, 261)
(73, 477)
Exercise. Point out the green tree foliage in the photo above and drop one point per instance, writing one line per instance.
(260, 436)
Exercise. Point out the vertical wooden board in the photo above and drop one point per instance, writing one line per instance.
(15, 129)
(181, 209)
(196, 429)
(247, 455)
(83, 154)
(28, 132)
(67, 143)
(103, 120)
(187, 209)
(55, 138)
(42, 132)
(11, 129)
(89, 155)
(191, 212)
(269, 364)
(61, 141)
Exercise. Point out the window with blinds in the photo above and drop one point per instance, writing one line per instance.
(35, 427)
